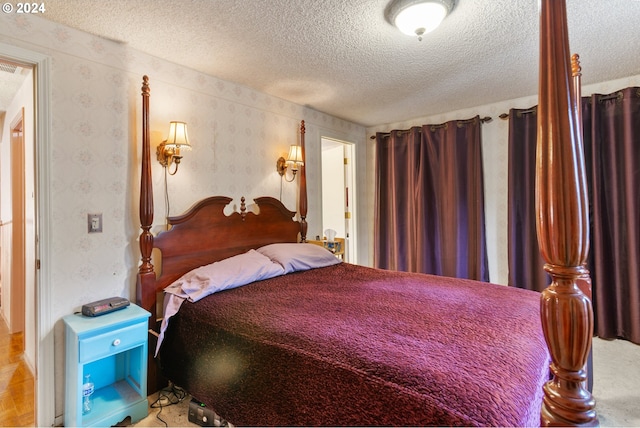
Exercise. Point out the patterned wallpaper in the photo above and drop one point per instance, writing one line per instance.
(237, 134)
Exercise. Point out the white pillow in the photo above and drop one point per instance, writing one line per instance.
(296, 257)
(224, 274)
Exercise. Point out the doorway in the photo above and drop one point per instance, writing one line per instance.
(30, 97)
(338, 193)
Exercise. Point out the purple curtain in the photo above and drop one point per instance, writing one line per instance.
(401, 202)
(612, 154)
(430, 201)
(525, 261)
(611, 126)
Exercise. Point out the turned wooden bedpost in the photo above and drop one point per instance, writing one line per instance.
(145, 271)
(584, 282)
(563, 228)
(303, 188)
(146, 192)
(576, 73)
(145, 287)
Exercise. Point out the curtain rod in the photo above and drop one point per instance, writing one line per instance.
(505, 116)
(618, 95)
(615, 95)
(460, 122)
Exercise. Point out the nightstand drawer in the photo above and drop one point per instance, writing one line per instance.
(109, 343)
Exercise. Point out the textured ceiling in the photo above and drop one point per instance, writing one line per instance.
(343, 58)
(12, 76)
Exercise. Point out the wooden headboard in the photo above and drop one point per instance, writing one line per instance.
(562, 216)
(205, 234)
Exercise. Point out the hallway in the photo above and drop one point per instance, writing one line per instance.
(17, 390)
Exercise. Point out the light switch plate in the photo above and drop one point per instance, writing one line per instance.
(94, 223)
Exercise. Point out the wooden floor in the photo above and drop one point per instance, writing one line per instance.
(17, 385)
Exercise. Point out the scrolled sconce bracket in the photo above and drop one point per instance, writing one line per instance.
(167, 156)
(164, 155)
(281, 166)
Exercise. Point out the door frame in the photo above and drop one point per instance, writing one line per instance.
(45, 367)
(349, 171)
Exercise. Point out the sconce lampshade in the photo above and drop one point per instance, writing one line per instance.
(295, 156)
(168, 151)
(418, 17)
(178, 137)
(293, 160)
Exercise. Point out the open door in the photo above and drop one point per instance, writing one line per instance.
(18, 236)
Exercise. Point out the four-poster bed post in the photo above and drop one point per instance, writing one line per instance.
(146, 273)
(563, 225)
(302, 203)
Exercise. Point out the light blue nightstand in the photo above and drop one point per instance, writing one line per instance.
(112, 348)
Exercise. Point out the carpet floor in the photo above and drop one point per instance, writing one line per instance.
(616, 389)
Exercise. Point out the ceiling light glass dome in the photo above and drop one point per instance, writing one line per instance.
(418, 17)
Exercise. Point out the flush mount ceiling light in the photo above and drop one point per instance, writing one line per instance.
(418, 17)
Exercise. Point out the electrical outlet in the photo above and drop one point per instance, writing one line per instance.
(94, 222)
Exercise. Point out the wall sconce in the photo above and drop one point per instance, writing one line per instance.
(294, 159)
(168, 151)
(418, 17)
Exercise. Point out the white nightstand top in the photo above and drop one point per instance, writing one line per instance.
(82, 324)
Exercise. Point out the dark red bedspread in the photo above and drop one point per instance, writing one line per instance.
(350, 345)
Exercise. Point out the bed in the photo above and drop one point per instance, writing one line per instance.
(305, 339)
(350, 345)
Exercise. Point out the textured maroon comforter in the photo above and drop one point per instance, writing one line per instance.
(350, 345)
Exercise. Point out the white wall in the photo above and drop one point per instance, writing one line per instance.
(495, 136)
(333, 206)
(237, 135)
